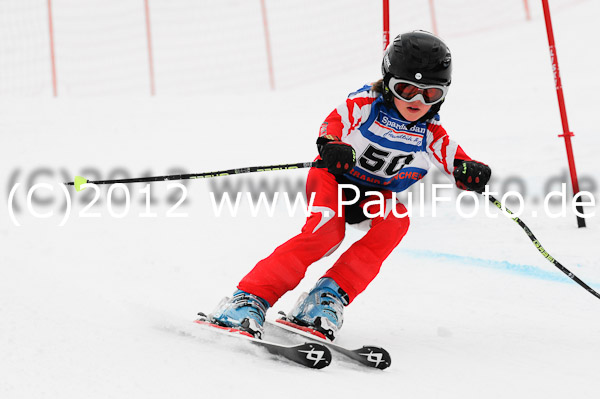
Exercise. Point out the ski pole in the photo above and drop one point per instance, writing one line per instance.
(544, 253)
(79, 180)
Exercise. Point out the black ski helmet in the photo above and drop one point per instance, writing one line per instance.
(419, 57)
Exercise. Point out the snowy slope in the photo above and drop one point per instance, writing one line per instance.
(102, 307)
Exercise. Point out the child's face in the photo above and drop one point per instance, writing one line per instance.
(411, 111)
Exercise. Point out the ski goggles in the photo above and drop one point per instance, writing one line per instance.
(410, 91)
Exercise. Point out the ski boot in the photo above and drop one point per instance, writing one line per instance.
(244, 311)
(322, 308)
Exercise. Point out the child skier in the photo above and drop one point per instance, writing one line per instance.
(393, 126)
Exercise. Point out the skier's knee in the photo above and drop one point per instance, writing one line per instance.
(334, 241)
(396, 220)
(327, 240)
(399, 213)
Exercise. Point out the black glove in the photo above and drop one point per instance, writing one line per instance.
(471, 175)
(337, 156)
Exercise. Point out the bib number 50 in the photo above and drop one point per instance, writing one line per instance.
(375, 159)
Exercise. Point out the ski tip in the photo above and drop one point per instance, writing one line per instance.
(375, 356)
(79, 180)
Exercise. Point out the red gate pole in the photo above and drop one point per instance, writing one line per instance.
(52, 59)
(386, 23)
(263, 9)
(149, 40)
(433, 19)
(567, 134)
(527, 13)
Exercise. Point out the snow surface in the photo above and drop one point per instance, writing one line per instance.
(103, 307)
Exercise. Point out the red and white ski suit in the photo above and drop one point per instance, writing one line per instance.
(392, 154)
